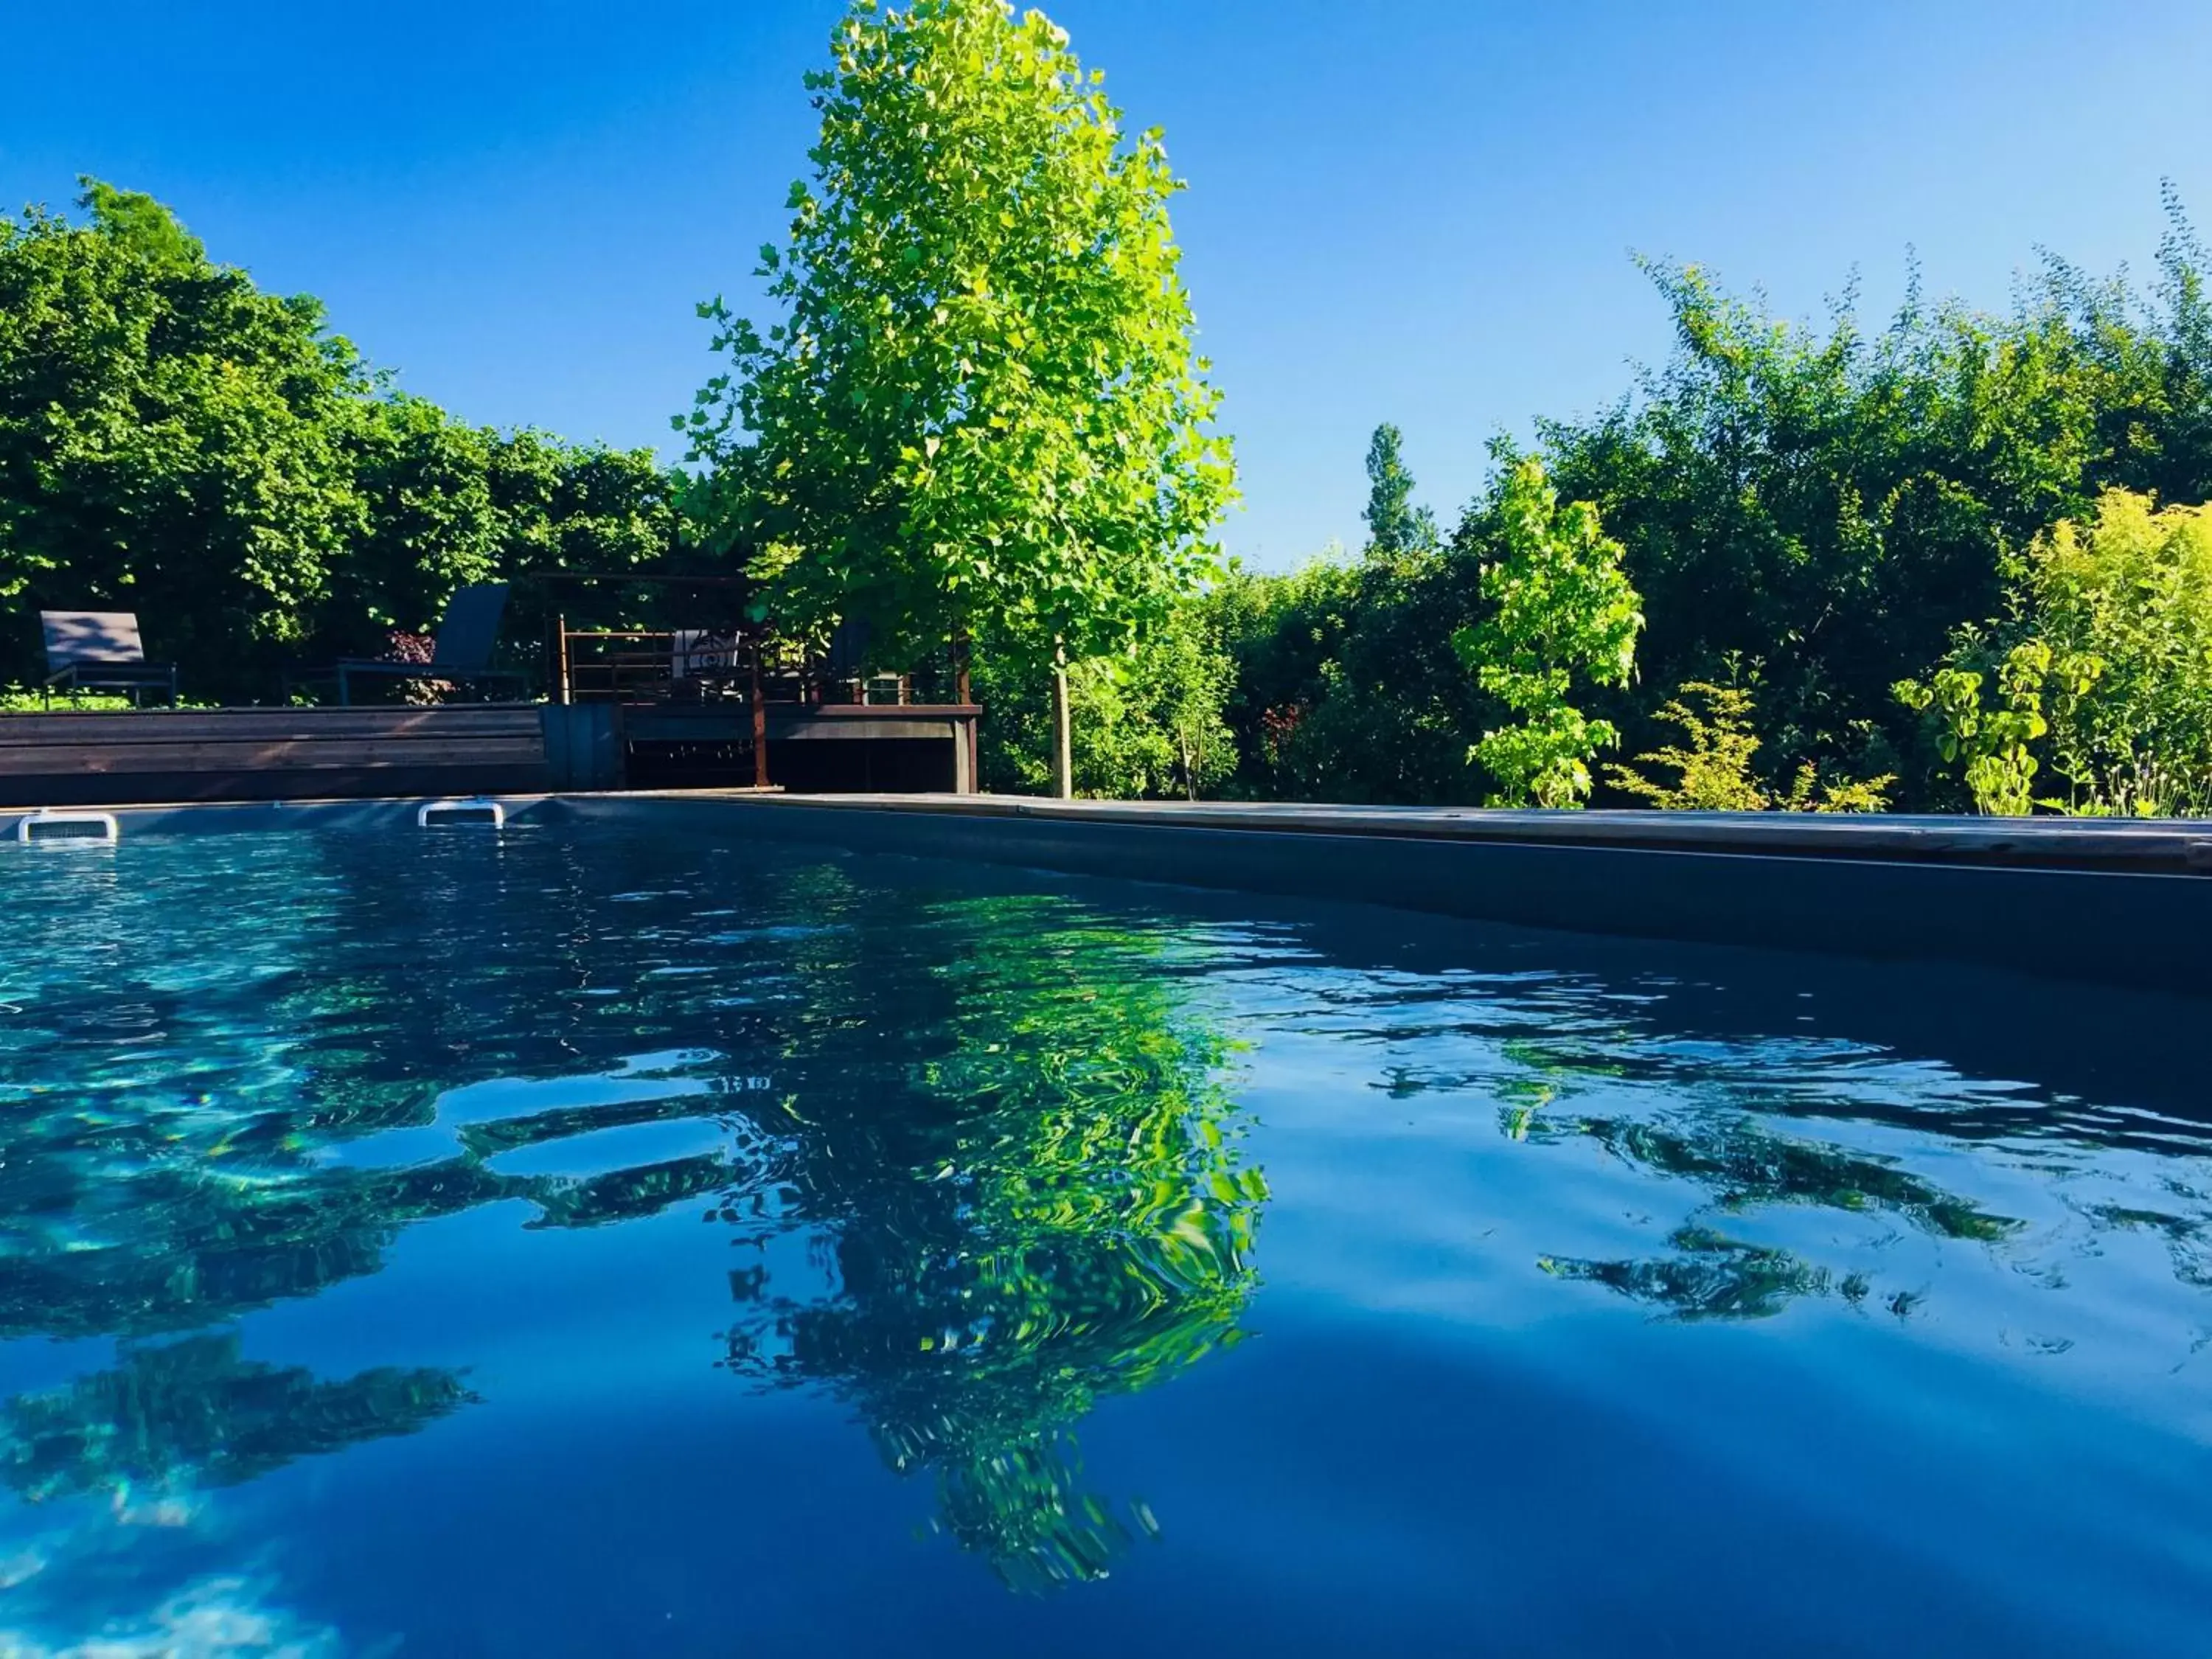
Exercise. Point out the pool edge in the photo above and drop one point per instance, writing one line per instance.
(1897, 890)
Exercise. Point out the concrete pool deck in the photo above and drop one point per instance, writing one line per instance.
(2125, 901)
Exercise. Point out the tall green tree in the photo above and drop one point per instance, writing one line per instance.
(981, 412)
(1562, 610)
(1394, 524)
(172, 441)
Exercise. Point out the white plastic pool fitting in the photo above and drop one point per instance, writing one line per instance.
(46, 826)
(475, 810)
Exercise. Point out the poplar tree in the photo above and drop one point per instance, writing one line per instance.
(980, 413)
(1394, 525)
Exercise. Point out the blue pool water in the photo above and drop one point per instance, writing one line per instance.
(605, 1239)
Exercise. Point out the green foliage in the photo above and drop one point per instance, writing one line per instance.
(1811, 792)
(2103, 665)
(172, 440)
(1992, 739)
(1823, 508)
(448, 504)
(1713, 773)
(1831, 505)
(1561, 606)
(1345, 686)
(981, 412)
(2124, 604)
(1345, 689)
(430, 523)
(1394, 525)
(1146, 724)
(176, 442)
(24, 700)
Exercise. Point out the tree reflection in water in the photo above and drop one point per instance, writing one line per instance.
(1045, 1208)
(1003, 1121)
(978, 1151)
(1707, 1133)
(194, 1413)
(1747, 1166)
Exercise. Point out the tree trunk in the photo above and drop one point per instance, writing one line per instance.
(963, 692)
(1063, 754)
(760, 722)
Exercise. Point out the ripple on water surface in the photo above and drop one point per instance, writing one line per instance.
(597, 1239)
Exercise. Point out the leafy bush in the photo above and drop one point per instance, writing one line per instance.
(2101, 669)
(1147, 724)
(15, 700)
(1713, 773)
(1560, 606)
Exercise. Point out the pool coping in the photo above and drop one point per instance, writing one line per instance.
(2180, 846)
(2146, 846)
(2113, 903)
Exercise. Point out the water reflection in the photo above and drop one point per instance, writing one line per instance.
(168, 1421)
(1743, 1167)
(978, 1154)
(1000, 1129)
(1046, 1207)
(1735, 1133)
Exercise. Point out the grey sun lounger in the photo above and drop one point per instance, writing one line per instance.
(101, 651)
(461, 652)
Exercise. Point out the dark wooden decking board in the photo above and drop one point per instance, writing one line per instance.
(194, 725)
(290, 754)
(265, 754)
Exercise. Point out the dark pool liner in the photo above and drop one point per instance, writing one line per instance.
(2118, 901)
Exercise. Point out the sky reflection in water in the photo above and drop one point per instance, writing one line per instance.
(592, 1240)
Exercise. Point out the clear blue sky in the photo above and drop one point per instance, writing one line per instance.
(1414, 212)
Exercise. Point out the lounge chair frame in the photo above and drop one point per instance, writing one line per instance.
(101, 651)
(460, 654)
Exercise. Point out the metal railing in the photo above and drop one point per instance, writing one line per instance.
(637, 665)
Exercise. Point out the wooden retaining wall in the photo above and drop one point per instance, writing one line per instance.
(270, 754)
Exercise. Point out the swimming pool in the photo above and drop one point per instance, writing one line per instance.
(613, 1237)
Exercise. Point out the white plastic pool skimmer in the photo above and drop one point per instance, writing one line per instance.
(436, 814)
(45, 826)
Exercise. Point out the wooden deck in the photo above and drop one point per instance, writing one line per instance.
(347, 754)
(270, 754)
(904, 747)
